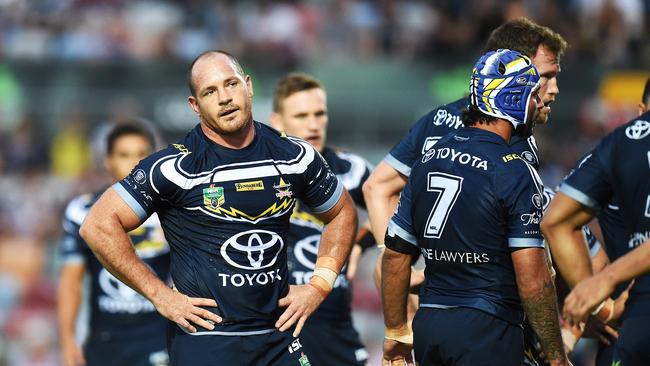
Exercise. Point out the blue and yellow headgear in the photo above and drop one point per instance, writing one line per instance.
(502, 83)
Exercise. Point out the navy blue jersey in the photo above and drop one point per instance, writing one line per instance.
(114, 307)
(592, 242)
(612, 226)
(226, 213)
(433, 126)
(619, 167)
(306, 229)
(469, 202)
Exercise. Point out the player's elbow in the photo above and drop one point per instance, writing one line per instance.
(84, 230)
(370, 186)
(548, 225)
(90, 228)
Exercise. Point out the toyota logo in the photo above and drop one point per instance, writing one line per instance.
(306, 251)
(252, 249)
(115, 288)
(638, 130)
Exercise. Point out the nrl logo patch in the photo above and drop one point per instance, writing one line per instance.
(283, 189)
(304, 361)
(257, 185)
(213, 196)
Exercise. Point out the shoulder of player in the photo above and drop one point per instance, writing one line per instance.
(638, 129)
(446, 116)
(284, 146)
(512, 168)
(78, 207)
(342, 161)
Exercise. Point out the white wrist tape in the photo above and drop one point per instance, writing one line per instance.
(598, 308)
(400, 335)
(327, 274)
(569, 338)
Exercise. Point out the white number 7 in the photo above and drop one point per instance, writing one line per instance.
(448, 188)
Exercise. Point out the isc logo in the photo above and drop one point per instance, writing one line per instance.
(510, 157)
(295, 345)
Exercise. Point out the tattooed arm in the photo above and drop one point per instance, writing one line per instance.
(538, 298)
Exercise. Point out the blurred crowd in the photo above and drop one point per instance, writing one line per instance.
(287, 32)
(42, 167)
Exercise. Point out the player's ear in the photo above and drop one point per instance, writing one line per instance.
(107, 165)
(642, 108)
(194, 104)
(276, 121)
(249, 84)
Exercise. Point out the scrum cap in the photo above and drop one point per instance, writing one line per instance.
(502, 84)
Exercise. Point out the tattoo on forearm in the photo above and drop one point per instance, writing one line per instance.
(541, 309)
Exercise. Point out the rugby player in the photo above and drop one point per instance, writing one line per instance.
(544, 46)
(300, 109)
(381, 191)
(124, 327)
(615, 171)
(462, 210)
(224, 194)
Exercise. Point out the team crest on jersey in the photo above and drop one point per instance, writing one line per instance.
(213, 197)
(283, 189)
(640, 129)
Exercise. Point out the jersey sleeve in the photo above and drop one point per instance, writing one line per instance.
(323, 188)
(73, 247)
(521, 190)
(589, 183)
(409, 149)
(592, 242)
(401, 224)
(150, 184)
(354, 179)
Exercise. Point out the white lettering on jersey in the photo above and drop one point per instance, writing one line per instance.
(456, 257)
(444, 117)
(637, 239)
(457, 157)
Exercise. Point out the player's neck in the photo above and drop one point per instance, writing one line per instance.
(237, 140)
(501, 127)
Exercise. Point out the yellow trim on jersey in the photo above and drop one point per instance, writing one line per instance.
(235, 213)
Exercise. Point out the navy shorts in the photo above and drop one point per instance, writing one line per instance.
(332, 343)
(274, 348)
(136, 349)
(605, 354)
(465, 336)
(633, 344)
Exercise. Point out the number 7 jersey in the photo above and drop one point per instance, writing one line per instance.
(469, 202)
